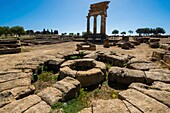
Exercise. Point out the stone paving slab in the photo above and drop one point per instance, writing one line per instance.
(106, 106)
(8, 96)
(62, 90)
(161, 86)
(157, 76)
(13, 76)
(15, 83)
(131, 108)
(143, 102)
(125, 76)
(159, 95)
(51, 95)
(68, 89)
(21, 105)
(41, 107)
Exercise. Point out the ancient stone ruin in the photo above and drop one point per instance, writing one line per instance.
(142, 84)
(98, 9)
(10, 46)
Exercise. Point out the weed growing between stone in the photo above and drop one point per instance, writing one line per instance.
(45, 79)
(74, 105)
(47, 76)
(85, 99)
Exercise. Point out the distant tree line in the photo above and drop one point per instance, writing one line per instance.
(16, 30)
(149, 31)
(19, 30)
(143, 31)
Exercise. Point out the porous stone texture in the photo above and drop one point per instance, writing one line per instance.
(91, 55)
(127, 45)
(113, 58)
(166, 58)
(41, 107)
(166, 71)
(158, 94)
(125, 76)
(158, 54)
(51, 95)
(69, 87)
(62, 90)
(66, 71)
(154, 44)
(165, 46)
(91, 77)
(14, 85)
(141, 65)
(131, 108)
(143, 102)
(10, 50)
(33, 63)
(157, 76)
(162, 86)
(21, 105)
(106, 106)
(128, 76)
(95, 73)
(53, 64)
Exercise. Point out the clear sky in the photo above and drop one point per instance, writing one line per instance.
(70, 15)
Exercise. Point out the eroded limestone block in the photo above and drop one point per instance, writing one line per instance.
(50, 95)
(106, 106)
(125, 76)
(69, 88)
(159, 95)
(41, 107)
(156, 76)
(143, 102)
(21, 105)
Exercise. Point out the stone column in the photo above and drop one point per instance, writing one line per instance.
(88, 24)
(104, 23)
(95, 25)
(102, 28)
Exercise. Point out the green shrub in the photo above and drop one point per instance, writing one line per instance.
(47, 76)
(74, 105)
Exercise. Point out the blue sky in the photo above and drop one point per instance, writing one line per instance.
(70, 15)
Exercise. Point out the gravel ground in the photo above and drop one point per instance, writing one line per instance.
(9, 61)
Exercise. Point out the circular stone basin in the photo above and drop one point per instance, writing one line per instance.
(87, 71)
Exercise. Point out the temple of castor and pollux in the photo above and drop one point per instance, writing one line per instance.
(98, 9)
(58, 79)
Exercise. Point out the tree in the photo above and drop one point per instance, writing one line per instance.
(5, 30)
(159, 30)
(84, 32)
(18, 30)
(130, 32)
(44, 31)
(148, 31)
(47, 32)
(64, 34)
(123, 33)
(30, 32)
(139, 31)
(1, 31)
(71, 34)
(52, 32)
(37, 32)
(56, 32)
(115, 32)
(78, 34)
